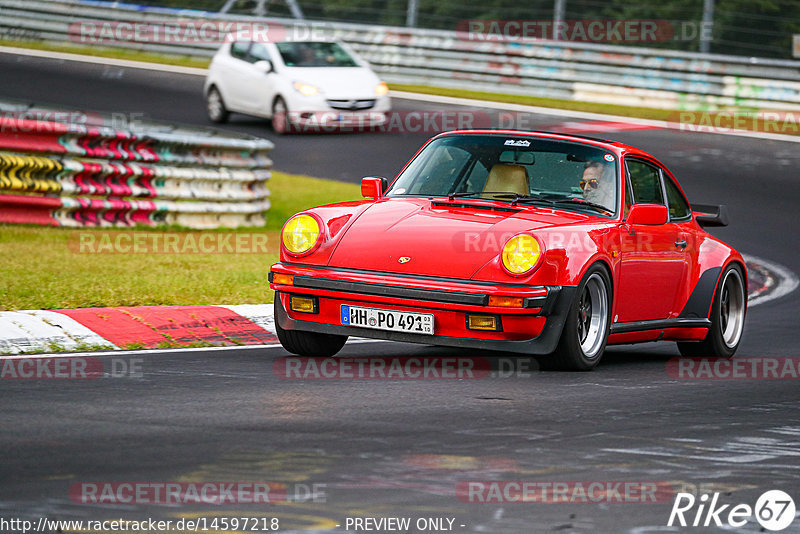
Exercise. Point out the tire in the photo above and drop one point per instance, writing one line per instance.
(727, 318)
(215, 107)
(309, 343)
(280, 116)
(587, 326)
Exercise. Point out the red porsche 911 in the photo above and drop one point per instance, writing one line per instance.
(528, 242)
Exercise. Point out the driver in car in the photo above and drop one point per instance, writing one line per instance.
(598, 185)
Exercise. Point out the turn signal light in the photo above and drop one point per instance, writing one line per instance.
(506, 302)
(483, 322)
(282, 279)
(303, 304)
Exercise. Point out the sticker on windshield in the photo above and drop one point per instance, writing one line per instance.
(609, 157)
(517, 142)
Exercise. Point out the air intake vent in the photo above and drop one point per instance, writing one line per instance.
(487, 207)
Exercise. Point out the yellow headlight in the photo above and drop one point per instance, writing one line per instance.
(300, 234)
(521, 254)
(381, 89)
(305, 89)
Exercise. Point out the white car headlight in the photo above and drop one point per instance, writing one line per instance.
(305, 89)
(381, 89)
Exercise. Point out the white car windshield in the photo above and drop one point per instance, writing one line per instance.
(314, 54)
(516, 169)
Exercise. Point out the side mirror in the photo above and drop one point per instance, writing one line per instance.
(650, 214)
(373, 187)
(264, 65)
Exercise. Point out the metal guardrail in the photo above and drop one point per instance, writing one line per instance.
(579, 71)
(58, 171)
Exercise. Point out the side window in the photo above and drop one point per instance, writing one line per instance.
(678, 207)
(646, 182)
(239, 50)
(258, 52)
(628, 198)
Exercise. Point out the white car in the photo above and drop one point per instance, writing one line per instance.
(301, 86)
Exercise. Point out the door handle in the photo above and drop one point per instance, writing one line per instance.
(681, 243)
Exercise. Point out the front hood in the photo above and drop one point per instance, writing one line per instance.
(440, 238)
(338, 82)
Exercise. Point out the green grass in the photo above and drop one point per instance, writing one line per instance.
(115, 53)
(292, 193)
(43, 268)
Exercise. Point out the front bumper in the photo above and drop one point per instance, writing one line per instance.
(535, 328)
(335, 114)
(324, 121)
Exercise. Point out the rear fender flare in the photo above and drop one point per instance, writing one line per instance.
(698, 305)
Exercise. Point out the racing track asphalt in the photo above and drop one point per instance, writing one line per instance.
(398, 448)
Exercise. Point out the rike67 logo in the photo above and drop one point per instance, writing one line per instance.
(774, 510)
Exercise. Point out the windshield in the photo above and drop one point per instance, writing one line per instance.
(514, 169)
(314, 54)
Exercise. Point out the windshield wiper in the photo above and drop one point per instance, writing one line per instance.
(587, 203)
(451, 196)
(516, 197)
(499, 194)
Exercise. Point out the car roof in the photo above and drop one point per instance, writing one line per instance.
(290, 41)
(614, 146)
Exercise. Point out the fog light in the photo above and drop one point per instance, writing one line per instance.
(506, 302)
(303, 304)
(483, 322)
(283, 279)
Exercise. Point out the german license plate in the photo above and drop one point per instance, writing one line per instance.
(395, 321)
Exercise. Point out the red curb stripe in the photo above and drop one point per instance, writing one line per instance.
(152, 325)
(574, 127)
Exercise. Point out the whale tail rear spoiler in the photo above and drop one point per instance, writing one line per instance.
(710, 214)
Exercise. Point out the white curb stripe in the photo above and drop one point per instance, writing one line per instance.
(787, 280)
(261, 314)
(38, 330)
